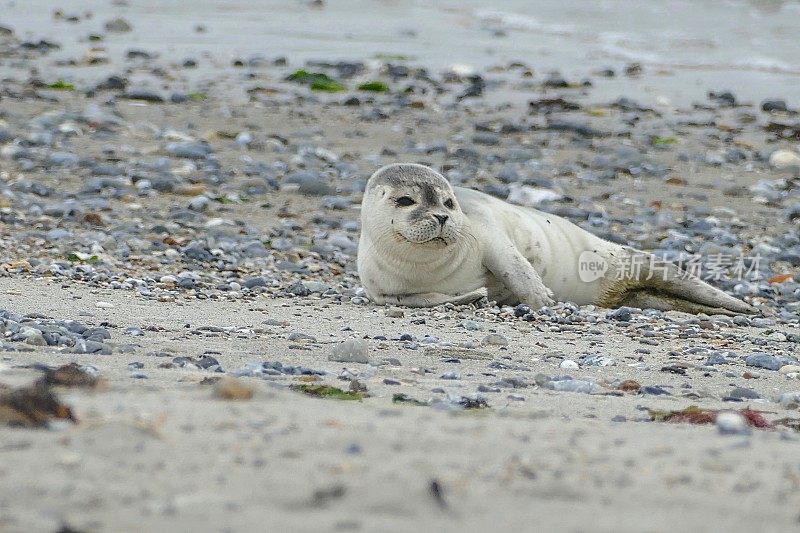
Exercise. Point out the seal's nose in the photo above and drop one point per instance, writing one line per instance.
(441, 218)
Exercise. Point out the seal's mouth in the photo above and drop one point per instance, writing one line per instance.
(438, 240)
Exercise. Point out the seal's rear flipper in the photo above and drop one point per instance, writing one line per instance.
(652, 299)
(664, 286)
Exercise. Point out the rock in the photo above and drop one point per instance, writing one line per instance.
(351, 351)
(143, 95)
(789, 400)
(740, 393)
(252, 283)
(188, 150)
(597, 360)
(789, 369)
(763, 360)
(531, 196)
(471, 325)
(298, 288)
(774, 105)
(486, 138)
(495, 339)
(207, 362)
(623, 314)
(395, 312)
(104, 305)
(716, 359)
(199, 203)
(84, 346)
(572, 385)
(731, 423)
(36, 339)
(233, 389)
(118, 25)
(784, 159)
(568, 364)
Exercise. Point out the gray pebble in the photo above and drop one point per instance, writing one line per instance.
(351, 351)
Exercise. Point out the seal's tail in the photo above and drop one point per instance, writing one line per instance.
(664, 286)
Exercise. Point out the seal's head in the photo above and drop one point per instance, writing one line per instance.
(413, 203)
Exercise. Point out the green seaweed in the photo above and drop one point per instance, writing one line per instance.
(62, 85)
(400, 397)
(328, 86)
(326, 391)
(318, 81)
(663, 141)
(374, 86)
(197, 97)
(79, 257)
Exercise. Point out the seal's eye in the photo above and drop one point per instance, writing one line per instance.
(449, 203)
(405, 201)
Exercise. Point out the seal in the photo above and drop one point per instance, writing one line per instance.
(425, 243)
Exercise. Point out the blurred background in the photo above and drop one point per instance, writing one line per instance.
(685, 46)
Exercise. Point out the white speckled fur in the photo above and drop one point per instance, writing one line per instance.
(488, 247)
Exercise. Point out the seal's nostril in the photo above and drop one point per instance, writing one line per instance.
(441, 218)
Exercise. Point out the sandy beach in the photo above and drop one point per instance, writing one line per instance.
(181, 228)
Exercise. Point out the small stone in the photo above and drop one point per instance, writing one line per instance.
(740, 393)
(188, 150)
(118, 25)
(568, 364)
(716, 359)
(784, 159)
(623, 314)
(573, 385)
(233, 389)
(774, 105)
(395, 312)
(36, 339)
(252, 283)
(199, 203)
(298, 289)
(789, 369)
(789, 400)
(495, 339)
(351, 351)
(471, 325)
(629, 385)
(104, 305)
(597, 360)
(763, 360)
(731, 423)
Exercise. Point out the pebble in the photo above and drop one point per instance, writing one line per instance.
(597, 360)
(764, 360)
(118, 25)
(104, 305)
(740, 393)
(495, 339)
(731, 423)
(568, 364)
(790, 400)
(351, 351)
(395, 312)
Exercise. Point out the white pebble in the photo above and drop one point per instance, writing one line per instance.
(730, 423)
(569, 364)
(104, 305)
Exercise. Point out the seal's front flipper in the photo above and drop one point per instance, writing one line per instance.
(517, 274)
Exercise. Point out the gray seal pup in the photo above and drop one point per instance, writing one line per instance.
(424, 243)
